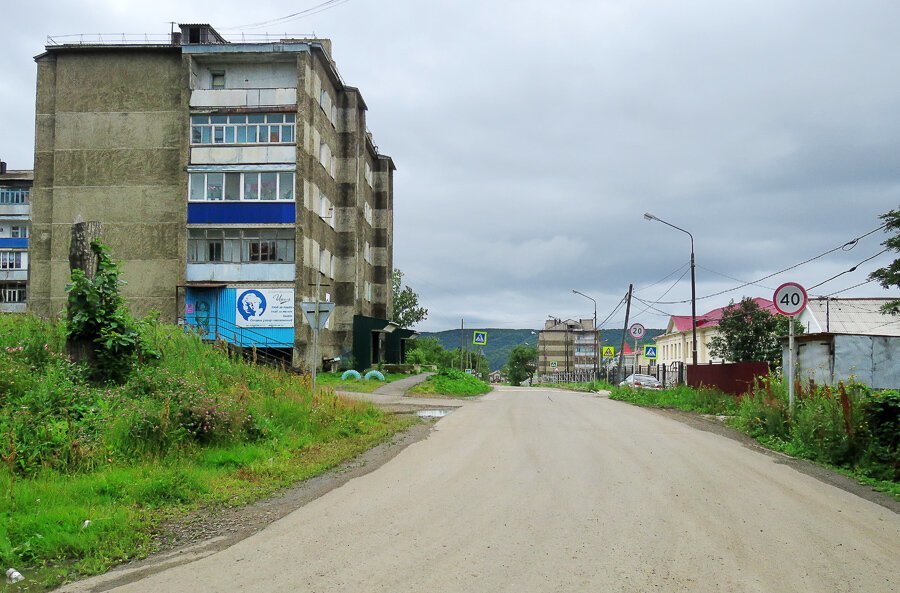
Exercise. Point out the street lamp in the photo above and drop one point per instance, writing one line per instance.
(649, 216)
(596, 336)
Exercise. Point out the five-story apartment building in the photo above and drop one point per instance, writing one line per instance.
(231, 179)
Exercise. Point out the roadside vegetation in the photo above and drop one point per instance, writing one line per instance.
(589, 386)
(851, 427)
(92, 462)
(451, 382)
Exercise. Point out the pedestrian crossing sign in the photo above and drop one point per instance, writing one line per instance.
(479, 338)
(650, 352)
(609, 352)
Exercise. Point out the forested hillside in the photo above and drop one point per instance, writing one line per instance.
(502, 341)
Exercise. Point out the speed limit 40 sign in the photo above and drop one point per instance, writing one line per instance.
(789, 299)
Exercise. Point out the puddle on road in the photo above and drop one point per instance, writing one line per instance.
(432, 413)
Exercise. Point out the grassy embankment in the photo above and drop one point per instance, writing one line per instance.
(451, 382)
(853, 429)
(586, 387)
(88, 471)
(334, 381)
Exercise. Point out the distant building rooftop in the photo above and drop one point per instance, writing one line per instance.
(849, 316)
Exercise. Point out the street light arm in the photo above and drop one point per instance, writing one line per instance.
(657, 219)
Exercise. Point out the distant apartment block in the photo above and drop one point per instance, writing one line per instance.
(566, 346)
(230, 179)
(15, 215)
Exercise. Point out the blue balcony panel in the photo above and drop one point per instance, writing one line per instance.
(10, 243)
(242, 213)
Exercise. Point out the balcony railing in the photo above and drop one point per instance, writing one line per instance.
(14, 196)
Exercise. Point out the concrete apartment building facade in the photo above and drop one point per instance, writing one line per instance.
(15, 214)
(230, 180)
(567, 346)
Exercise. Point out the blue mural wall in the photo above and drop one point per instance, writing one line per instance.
(213, 312)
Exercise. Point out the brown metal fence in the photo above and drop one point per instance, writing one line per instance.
(731, 377)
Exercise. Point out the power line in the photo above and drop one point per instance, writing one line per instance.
(845, 247)
(664, 278)
(674, 284)
(850, 287)
(735, 279)
(321, 7)
(853, 269)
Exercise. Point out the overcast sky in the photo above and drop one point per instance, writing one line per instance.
(530, 137)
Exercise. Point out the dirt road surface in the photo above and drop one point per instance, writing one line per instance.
(543, 491)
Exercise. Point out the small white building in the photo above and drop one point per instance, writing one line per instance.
(847, 340)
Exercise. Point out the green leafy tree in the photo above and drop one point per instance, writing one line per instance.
(522, 363)
(98, 316)
(429, 351)
(406, 311)
(889, 275)
(749, 332)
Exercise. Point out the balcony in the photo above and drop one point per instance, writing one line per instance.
(222, 272)
(15, 202)
(218, 98)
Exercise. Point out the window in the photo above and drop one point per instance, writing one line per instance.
(257, 128)
(367, 252)
(236, 246)
(236, 186)
(367, 212)
(19, 232)
(218, 79)
(12, 195)
(325, 155)
(11, 260)
(328, 106)
(368, 288)
(369, 176)
(12, 293)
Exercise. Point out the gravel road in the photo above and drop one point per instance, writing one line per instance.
(542, 491)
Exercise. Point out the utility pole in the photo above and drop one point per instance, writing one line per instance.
(462, 330)
(624, 331)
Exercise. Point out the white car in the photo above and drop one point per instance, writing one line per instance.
(641, 381)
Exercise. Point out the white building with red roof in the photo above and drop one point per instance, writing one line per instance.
(675, 344)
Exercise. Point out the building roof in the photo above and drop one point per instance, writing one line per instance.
(849, 316)
(17, 175)
(682, 323)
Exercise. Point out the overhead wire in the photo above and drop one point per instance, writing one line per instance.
(853, 269)
(321, 7)
(847, 246)
(663, 279)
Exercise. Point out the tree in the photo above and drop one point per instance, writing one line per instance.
(748, 332)
(522, 363)
(406, 311)
(889, 275)
(429, 351)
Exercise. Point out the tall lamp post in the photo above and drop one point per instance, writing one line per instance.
(649, 216)
(596, 336)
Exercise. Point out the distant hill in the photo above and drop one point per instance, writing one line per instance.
(502, 341)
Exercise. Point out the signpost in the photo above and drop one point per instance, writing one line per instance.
(650, 352)
(317, 315)
(790, 300)
(637, 331)
(609, 352)
(479, 338)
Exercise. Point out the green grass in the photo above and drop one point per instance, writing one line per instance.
(333, 380)
(586, 387)
(702, 401)
(453, 383)
(195, 428)
(849, 429)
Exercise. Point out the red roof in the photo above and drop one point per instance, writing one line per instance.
(682, 323)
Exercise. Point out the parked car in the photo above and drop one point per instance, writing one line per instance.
(641, 381)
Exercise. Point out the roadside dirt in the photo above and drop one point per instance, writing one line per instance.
(715, 425)
(213, 529)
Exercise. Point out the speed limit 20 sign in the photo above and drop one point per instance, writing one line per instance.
(789, 299)
(637, 331)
